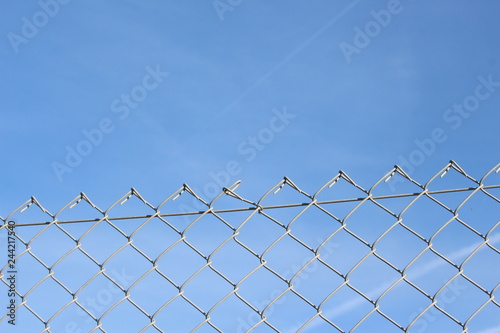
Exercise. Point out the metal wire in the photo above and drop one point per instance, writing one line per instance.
(253, 208)
(317, 259)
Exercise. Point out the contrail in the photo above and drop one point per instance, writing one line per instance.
(349, 305)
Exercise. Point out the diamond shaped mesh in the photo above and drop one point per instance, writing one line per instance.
(425, 257)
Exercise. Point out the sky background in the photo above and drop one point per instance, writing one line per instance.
(255, 91)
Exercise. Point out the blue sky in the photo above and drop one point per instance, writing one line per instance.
(254, 91)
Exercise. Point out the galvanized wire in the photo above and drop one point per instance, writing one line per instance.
(317, 257)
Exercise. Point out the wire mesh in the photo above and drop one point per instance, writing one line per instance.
(412, 258)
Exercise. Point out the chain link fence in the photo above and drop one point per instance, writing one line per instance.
(400, 256)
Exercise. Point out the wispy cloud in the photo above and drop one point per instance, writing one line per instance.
(348, 306)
